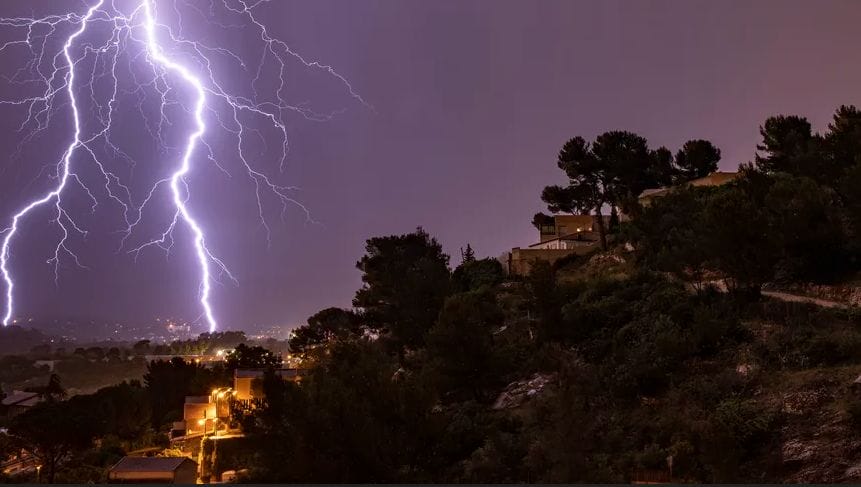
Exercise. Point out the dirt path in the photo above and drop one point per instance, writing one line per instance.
(795, 298)
(720, 285)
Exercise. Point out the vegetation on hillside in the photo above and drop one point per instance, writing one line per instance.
(601, 369)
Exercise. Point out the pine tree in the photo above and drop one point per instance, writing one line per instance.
(468, 255)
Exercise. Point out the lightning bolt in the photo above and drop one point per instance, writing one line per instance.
(138, 37)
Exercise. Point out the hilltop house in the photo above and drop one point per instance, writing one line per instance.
(565, 235)
(559, 237)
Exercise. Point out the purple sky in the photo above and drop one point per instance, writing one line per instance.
(473, 100)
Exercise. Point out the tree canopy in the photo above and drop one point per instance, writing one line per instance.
(405, 281)
(696, 159)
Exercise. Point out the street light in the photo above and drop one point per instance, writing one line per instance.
(38, 474)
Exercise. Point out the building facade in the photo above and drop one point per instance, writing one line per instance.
(564, 236)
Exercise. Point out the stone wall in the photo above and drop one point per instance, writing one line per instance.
(520, 260)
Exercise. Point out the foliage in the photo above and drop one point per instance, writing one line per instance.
(473, 275)
(468, 255)
(790, 146)
(806, 229)
(670, 234)
(350, 421)
(323, 327)
(406, 279)
(737, 240)
(611, 170)
(251, 357)
(764, 227)
(696, 159)
(542, 220)
(51, 432)
(461, 343)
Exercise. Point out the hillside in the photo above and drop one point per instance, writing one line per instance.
(786, 391)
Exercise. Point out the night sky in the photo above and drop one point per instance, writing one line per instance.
(472, 98)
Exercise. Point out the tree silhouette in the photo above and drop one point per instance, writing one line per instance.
(613, 170)
(406, 279)
(696, 159)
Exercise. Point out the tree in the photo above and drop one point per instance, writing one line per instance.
(851, 200)
(325, 326)
(95, 354)
(141, 347)
(613, 170)
(54, 390)
(697, 158)
(460, 345)
(256, 357)
(737, 239)
(51, 431)
(122, 410)
(790, 146)
(348, 422)
(541, 220)
(670, 234)
(405, 281)
(477, 274)
(113, 354)
(843, 140)
(467, 255)
(661, 172)
(545, 301)
(806, 228)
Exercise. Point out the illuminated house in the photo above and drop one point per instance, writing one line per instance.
(197, 413)
(205, 415)
(561, 236)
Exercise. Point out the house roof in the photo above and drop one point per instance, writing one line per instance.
(149, 464)
(714, 179)
(22, 398)
(653, 191)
